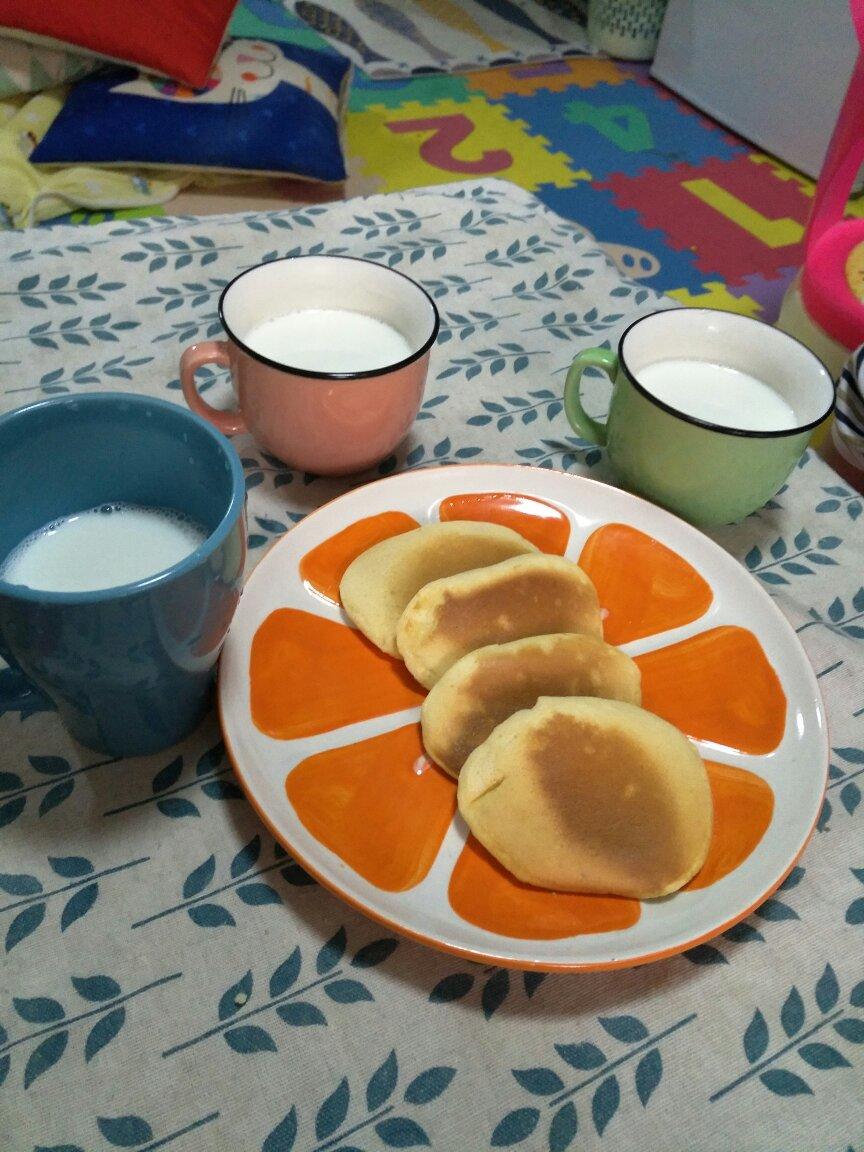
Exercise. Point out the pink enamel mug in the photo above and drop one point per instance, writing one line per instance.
(328, 356)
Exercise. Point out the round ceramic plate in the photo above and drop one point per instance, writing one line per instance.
(323, 729)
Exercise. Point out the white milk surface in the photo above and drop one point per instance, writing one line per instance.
(718, 394)
(328, 340)
(100, 548)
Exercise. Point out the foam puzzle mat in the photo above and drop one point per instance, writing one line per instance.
(677, 201)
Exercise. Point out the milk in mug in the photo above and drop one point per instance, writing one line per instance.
(328, 340)
(102, 547)
(718, 395)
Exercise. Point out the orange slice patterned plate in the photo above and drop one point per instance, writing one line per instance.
(323, 729)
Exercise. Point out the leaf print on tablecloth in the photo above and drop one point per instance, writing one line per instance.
(855, 911)
(33, 894)
(75, 331)
(478, 222)
(331, 952)
(132, 1131)
(291, 1004)
(248, 1038)
(125, 1131)
(282, 1138)
(195, 328)
(260, 221)
(176, 253)
(840, 497)
(457, 324)
(55, 796)
(34, 292)
(335, 1127)
(285, 976)
(25, 254)
(773, 910)
(458, 285)
(44, 1056)
(193, 294)
(331, 1115)
(604, 1103)
(103, 1032)
(840, 616)
(569, 325)
(798, 1040)
(199, 878)
(495, 989)
(569, 452)
(414, 251)
(19, 884)
(790, 559)
(270, 527)
(538, 1081)
(493, 359)
(426, 407)
(246, 858)
(210, 769)
(442, 453)
(604, 1080)
(347, 991)
(58, 380)
(846, 780)
(201, 888)
(515, 1127)
(525, 408)
(380, 223)
(649, 1073)
(518, 252)
(563, 279)
(102, 1013)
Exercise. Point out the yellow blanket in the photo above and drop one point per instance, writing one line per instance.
(28, 195)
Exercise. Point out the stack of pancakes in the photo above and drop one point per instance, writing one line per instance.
(563, 777)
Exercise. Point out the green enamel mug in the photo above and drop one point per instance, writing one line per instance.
(710, 411)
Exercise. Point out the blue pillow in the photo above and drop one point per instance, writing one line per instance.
(269, 108)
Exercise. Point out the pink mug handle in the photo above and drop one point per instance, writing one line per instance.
(195, 357)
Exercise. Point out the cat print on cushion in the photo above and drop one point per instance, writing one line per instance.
(247, 70)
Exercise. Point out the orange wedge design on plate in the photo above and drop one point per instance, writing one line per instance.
(309, 675)
(644, 586)
(539, 522)
(743, 807)
(322, 569)
(717, 686)
(487, 895)
(379, 804)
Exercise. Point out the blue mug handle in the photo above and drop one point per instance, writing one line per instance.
(17, 692)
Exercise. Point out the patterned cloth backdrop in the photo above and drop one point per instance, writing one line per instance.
(171, 978)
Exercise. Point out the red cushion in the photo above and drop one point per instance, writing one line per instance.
(179, 38)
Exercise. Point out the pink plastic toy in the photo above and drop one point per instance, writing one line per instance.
(832, 279)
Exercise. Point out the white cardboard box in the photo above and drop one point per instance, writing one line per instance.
(774, 71)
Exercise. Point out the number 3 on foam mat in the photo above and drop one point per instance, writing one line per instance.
(448, 132)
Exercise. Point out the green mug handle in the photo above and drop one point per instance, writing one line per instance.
(579, 419)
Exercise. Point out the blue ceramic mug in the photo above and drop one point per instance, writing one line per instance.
(129, 668)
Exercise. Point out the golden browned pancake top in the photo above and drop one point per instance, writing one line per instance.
(590, 795)
(485, 687)
(378, 585)
(526, 596)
